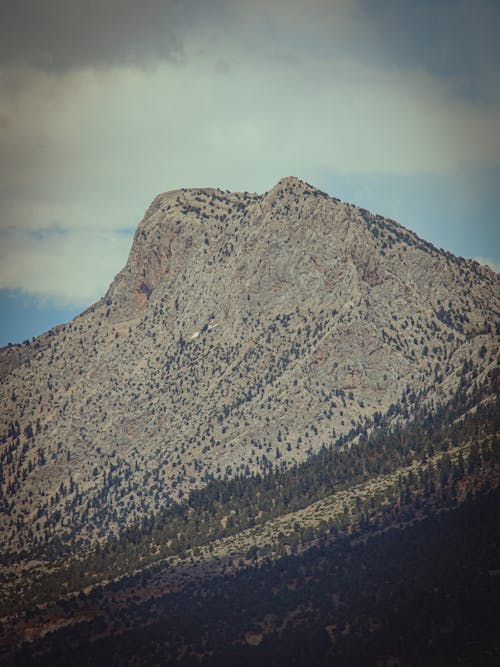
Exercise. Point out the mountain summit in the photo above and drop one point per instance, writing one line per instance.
(245, 332)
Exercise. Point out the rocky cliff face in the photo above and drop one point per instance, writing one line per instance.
(244, 332)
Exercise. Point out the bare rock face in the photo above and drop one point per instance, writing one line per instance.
(244, 332)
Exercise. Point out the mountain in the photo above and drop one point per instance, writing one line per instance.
(273, 441)
(244, 333)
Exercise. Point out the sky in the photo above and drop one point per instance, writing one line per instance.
(392, 105)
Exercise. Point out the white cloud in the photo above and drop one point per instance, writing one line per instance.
(72, 268)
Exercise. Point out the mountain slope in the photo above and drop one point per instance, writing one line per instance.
(422, 594)
(442, 465)
(244, 332)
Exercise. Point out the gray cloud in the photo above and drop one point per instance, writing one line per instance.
(449, 38)
(60, 35)
(57, 35)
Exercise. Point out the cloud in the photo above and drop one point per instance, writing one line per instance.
(62, 35)
(191, 125)
(451, 39)
(57, 35)
(68, 268)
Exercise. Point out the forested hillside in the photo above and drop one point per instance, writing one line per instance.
(243, 557)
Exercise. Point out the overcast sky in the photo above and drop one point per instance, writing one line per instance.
(390, 104)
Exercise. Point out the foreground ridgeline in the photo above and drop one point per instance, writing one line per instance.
(268, 378)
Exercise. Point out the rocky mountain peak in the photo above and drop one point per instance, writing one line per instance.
(292, 185)
(189, 226)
